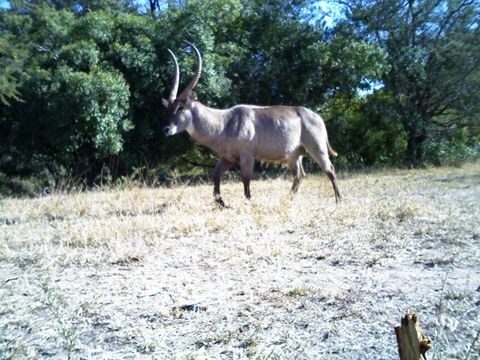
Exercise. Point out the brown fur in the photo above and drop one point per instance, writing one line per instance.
(245, 133)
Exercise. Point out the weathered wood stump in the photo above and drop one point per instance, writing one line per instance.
(412, 343)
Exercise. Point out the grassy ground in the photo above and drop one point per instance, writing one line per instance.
(164, 273)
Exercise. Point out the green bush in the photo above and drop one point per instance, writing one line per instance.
(455, 150)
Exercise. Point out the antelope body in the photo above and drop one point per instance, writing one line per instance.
(244, 133)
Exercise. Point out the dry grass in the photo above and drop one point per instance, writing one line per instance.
(165, 273)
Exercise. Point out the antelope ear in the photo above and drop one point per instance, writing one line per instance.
(191, 97)
(165, 103)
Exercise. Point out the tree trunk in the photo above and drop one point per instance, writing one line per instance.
(154, 6)
(412, 343)
(415, 146)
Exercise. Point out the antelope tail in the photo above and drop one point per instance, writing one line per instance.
(330, 150)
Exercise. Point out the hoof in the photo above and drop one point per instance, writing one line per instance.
(220, 202)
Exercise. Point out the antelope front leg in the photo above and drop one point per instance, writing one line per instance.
(222, 166)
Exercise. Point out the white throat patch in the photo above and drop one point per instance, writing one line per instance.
(190, 129)
(172, 130)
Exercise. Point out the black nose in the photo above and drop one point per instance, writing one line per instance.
(166, 130)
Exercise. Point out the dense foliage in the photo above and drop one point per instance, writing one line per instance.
(398, 82)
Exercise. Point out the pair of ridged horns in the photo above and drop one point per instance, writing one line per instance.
(176, 79)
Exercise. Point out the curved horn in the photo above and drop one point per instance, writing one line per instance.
(176, 79)
(196, 77)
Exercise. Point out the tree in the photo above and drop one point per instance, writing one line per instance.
(269, 52)
(433, 49)
(86, 77)
(74, 106)
(11, 57)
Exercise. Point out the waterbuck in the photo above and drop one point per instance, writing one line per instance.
(243, 133)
